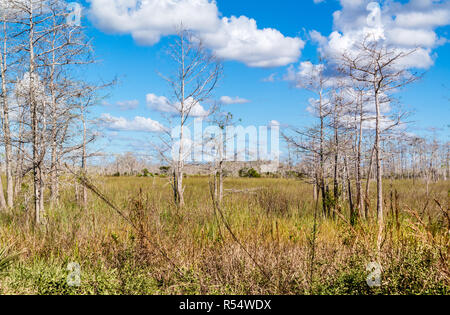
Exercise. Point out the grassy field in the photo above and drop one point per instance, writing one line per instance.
(258, 242)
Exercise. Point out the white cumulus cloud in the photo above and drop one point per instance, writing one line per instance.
(136, 124)
(231, 38)
(227, 100)
(238, 38)
(124, 105)
(147, 21)
(163, 104)
(403, 26)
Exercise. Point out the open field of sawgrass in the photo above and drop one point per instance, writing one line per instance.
(262, 240)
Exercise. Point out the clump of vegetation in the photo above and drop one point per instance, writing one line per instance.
(249, 173)
(165, 170)
(6, 259)
(146, 173)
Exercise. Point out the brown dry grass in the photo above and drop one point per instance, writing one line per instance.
(191, 251)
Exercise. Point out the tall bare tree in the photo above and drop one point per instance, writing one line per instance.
(8, 59)
(196, 74)
(377, 66)
(314, 139)
(216, 144)
(50, 52)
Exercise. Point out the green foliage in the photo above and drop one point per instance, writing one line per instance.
(6, 259)
(249, 173)
(164, 170)
(411, 275)
(146, 173)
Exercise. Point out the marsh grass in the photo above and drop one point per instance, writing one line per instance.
(274, 225)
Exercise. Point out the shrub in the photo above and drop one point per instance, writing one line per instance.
(249, 173)
(164, 170)
(146, 173)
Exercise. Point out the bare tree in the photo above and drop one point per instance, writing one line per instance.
(8, 59)
(196, 75)
(378, 67)
(319, 83)
(48, 54)
(216, 144)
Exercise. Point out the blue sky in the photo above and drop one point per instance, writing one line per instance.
(135, 61)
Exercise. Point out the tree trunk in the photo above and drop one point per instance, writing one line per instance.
(369, 175)
(336, 165)
(34, 123)
(350, 196)
(379, 175)
(322, 159)
(359, 198)
(20, 159)
(179, 168)
(179, 174)
(378, 164)
(3, 205)
(220, 182)
(5, 120)
(84, 162)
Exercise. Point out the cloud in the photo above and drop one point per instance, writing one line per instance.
(306, 72)
(421, 19)
(401, 26)
(240, 39)
(137, 124)
(227, 100)
(159, 103)
(147, 21)
(270, 78)
(124, 105)
(128, 105)
(310, 76)
(231, 38)
(411, 37)
(162, 104)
